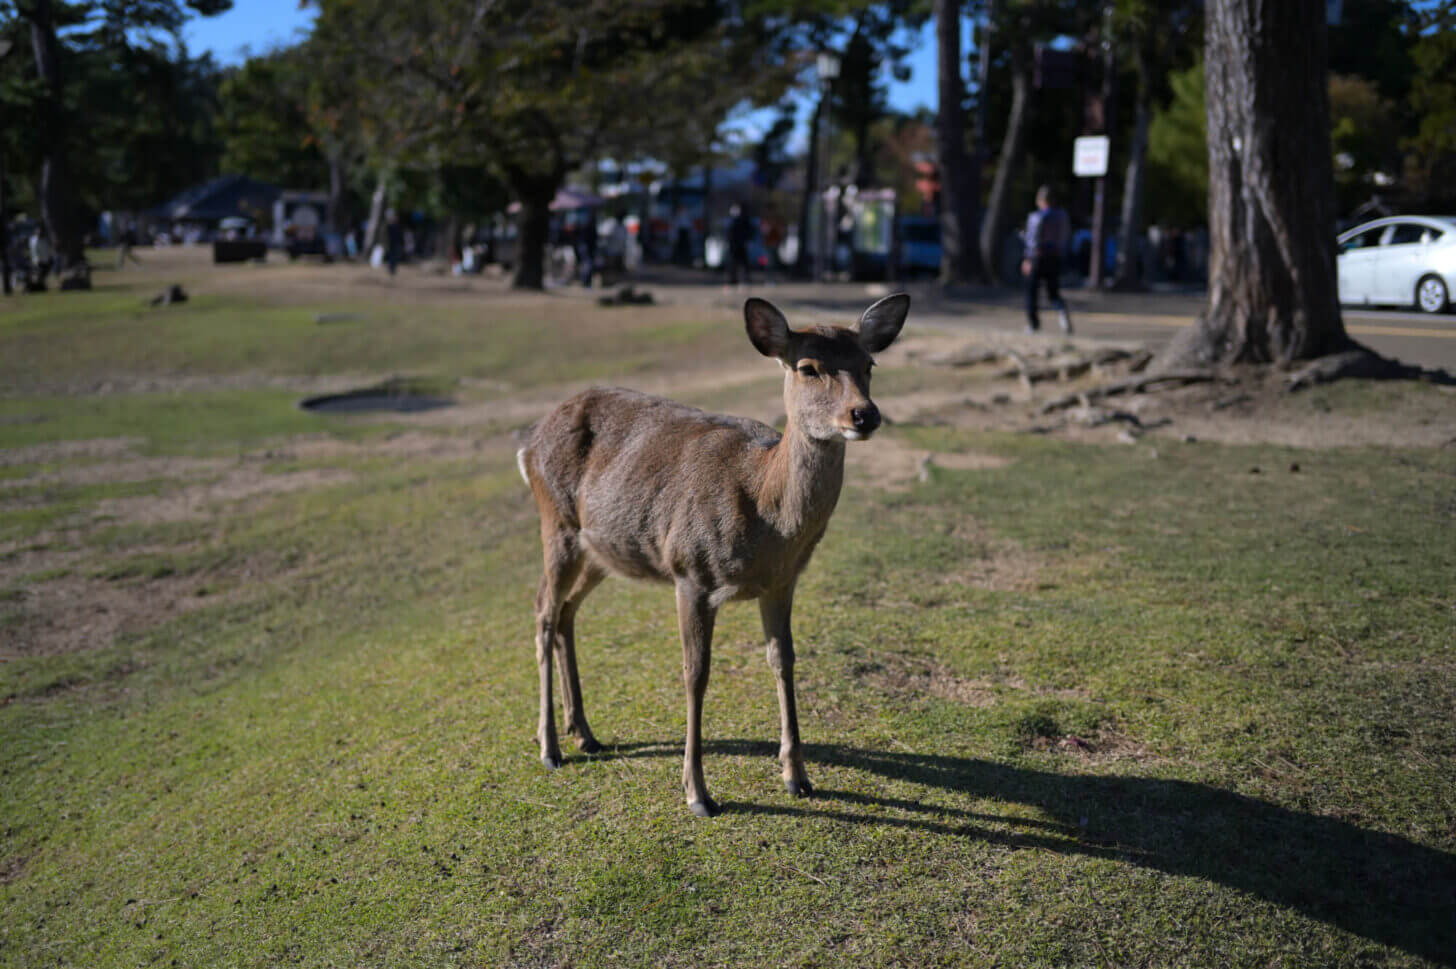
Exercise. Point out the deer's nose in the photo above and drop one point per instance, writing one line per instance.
(866, 418)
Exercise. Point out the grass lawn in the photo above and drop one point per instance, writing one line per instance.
(268, 686)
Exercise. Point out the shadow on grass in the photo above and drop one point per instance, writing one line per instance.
(1380, 886)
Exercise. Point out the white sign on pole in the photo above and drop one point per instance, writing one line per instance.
(1089, 156)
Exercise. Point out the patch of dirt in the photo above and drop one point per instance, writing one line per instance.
(192, 383)
(918, 675)
(409, 444)
(114, 472)
(906, 677)
(1106, 746)
(12, 868)
(74, 613)
(101, 447)
(1001, 566)
(890, 463)
(196, 502)
(527, 406)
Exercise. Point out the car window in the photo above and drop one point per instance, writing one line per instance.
(1364, 240)
(1406, 233)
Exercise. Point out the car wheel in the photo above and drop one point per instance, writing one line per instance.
(1431, 295)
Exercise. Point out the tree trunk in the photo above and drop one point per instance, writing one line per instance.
(1272, 279)
(994, 225)
(805, 261)
(957, 201)
(4, 228)
(336, 216)
(534, 223)
(376, 217)
(1129, 274)
(55, 184)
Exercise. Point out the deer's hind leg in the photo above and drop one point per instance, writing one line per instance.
(564, 561)
(576, 726)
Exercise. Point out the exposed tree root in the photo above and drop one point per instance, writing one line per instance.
(1362, 362)
(1136, 385)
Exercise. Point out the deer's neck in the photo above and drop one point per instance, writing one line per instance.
(801, 486)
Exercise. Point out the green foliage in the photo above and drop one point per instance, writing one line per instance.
(1178, 151)
(264, 123)
(135, 113)
(1365, 135)
(1373, 40)
(1431, 163)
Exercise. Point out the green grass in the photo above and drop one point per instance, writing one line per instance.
(1205, 720)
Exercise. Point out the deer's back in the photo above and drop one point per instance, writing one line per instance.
(656, 489)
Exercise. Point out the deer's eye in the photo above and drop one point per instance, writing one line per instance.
(808, 370)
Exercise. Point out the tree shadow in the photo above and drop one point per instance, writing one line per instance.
(1381, 886)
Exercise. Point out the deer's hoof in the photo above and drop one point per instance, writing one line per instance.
(551, 761)
(589, 746)
(707, 808)
(799, 788)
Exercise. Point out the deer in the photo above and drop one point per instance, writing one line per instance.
(724, 508)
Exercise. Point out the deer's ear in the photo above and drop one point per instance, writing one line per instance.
(767, 328)
(882, 321)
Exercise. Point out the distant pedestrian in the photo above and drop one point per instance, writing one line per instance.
(740, 233)
(40, 256)
(124, 248)
(586, 248)
(1047, 231)
(393, 240)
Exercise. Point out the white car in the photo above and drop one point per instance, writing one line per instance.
(1403, 260)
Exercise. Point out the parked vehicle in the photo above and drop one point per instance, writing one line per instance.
(1404, 260)
(919, 245)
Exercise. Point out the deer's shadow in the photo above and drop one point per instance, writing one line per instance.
(1381, 886)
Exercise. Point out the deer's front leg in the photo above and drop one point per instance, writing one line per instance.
(775, 610)
(695, 615)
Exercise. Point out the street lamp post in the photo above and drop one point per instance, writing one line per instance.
(827, 65)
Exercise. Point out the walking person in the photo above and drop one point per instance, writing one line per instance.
(1047, 231)
(740, 233)
(393, 241)
(124, 248)
(40, 257)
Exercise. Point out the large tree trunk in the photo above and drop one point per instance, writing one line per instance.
(994, 225)
(534, 223)
(1129, 275)
(1272, 280)
(957, 199)
(55, 184)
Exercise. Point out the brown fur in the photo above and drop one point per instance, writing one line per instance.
(723, 507)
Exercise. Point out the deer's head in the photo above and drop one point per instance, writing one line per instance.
(827, 368)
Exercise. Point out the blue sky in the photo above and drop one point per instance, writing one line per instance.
(251, 25)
